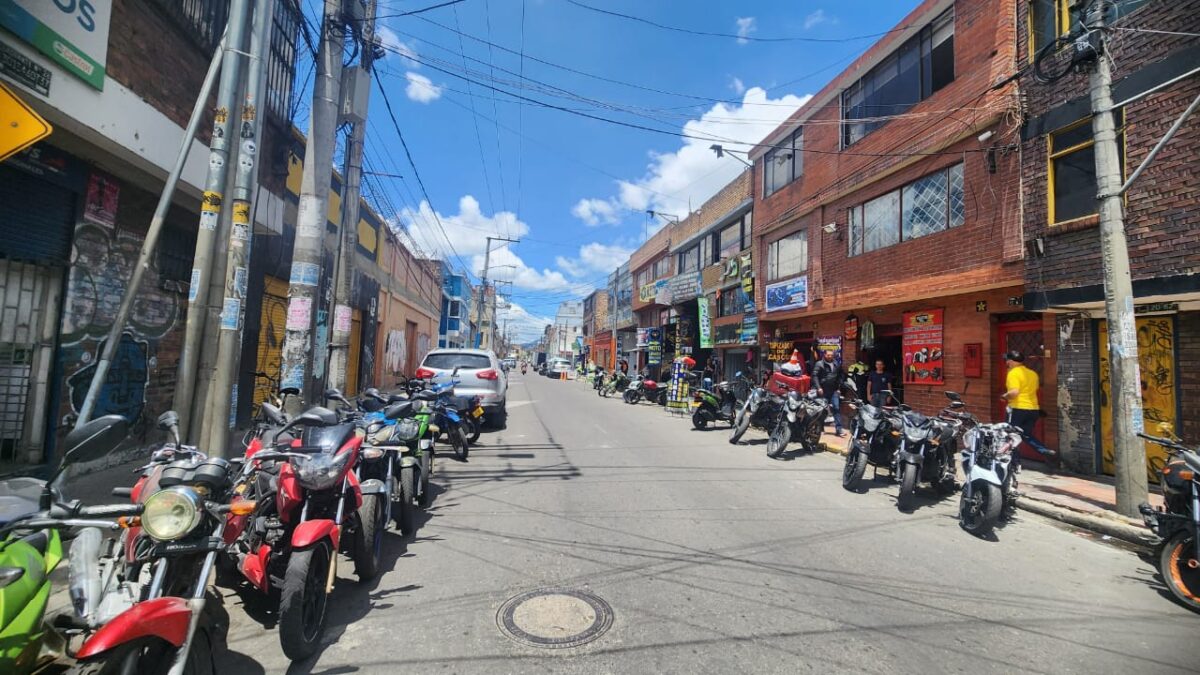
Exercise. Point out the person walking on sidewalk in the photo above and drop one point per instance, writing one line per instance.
(1021, 393)
(828, 376)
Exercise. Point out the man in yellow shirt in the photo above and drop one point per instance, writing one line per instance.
(1021, 394)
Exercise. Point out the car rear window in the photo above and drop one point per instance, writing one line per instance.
(450, 361)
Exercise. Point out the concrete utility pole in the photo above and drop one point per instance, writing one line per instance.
(151, 241)
(215, 434)
(1127, 421)
(343, 275)
(210, 216)
(314, 205)
(487, 257)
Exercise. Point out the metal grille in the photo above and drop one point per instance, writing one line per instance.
(203, 20)
(15, 369)
(958, 205)
(23, 292)
(925, 206)
(1030, 344)
(281, 64)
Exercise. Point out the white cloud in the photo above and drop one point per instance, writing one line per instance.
(737, 85)
(690, 175)
(745, 26)
(817, 18)
(421, 89)
(392, 43)
(596, 212)
(594, 259)
(523, 325)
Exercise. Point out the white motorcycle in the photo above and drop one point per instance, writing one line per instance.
(989, 491)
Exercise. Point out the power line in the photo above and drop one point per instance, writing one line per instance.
(483, 164)
(416, 12)
(747, 38)
(520, 119)
(487, 13)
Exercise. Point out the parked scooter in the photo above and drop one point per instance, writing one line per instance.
(643, 387)
(990, 488)
(617, 381)
(801, 417)
(760, 410)
(718, 404)
(1179, 523)
(32, 549)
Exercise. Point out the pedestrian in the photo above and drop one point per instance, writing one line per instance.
(1021, 395)
(828, 376)
(878, 382)
(624, 366)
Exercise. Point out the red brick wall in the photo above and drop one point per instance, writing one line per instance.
(1163, 206)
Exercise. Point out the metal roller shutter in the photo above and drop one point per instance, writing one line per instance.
(36, 219)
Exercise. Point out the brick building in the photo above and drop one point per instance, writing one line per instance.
(887, 213)
(1063, 273)
(650, 266)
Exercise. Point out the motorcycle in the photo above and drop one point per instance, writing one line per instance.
(990, 488)
(873, 439)
(306, 496)
(760, 410)
(31, 549)
(925, 455)
(643, 387)
(398, 450)
(718, 404)
(1178, 524)
(599, 377)
(800, 417)
(618, 381)
(170, 553)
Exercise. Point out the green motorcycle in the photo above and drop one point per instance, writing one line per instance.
(32, 515)
(398, 450)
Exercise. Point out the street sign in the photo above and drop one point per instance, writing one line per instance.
(20, 126)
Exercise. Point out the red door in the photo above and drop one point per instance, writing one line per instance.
(1025, 337)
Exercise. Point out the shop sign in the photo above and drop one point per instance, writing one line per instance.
(1156, 308)
(22, 69)
(654, 347)
(706, 336)
(677, 391)
(850, 328)
(728, 334)
(737, 266)
(923, 345)
(780, 351)
(790, 294)
(649, 292)
(683, 287)
(72, 33)
(748, 291)
(749, 329)
(643, 336)
(830, 343)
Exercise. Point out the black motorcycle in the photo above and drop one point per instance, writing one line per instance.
(801, 417)
(1179, 522)
(927, 454)
(874, 440)
(760, 410)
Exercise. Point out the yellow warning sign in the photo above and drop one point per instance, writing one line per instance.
(20, 126)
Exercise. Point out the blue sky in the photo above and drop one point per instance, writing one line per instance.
(574, 189)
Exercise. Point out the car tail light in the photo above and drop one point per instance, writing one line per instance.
(489, 374)
(424, 374)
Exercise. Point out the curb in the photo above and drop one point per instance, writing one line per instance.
(1114, 525)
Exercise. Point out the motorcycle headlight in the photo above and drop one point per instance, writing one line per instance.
(172, 513)
(320, 471)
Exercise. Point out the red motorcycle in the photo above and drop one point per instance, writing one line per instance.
(306, 496)
(642, 387)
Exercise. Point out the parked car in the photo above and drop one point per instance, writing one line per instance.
(479, 374)
(557, 367)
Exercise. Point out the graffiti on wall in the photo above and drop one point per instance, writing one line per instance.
(1156, 360)
(423, 341)
(124, 390)
(395, 353)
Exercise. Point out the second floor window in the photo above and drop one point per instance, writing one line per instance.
(662, 267)
(788, 257)
(784, 163)
(1072, 170)
(914, 72)
(1049, 19)
(689, 260)
(455, 309)
(925, 206)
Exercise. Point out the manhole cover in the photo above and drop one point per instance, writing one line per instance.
(554, 618)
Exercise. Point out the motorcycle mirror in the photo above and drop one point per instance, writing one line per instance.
(738, 374)
(334, 394)
(168, 420)
(953, 396)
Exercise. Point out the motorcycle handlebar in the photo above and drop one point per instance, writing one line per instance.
(109, 511)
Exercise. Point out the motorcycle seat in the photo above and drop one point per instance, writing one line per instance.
(398, 410)
(426, 395)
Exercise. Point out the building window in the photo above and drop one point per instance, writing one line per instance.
(643, 277)
(281, 63)
(925, 206)
(731, 240)
(455, 310)
(746, 223)
(788, 257)
(784, 163)
(662, 267)
(689, 260)
(1072, 170)
(731, 302)
(706, 251)
(914, 72)
(202, 20)
(1049, 19)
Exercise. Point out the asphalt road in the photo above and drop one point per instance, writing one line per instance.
(716, 559)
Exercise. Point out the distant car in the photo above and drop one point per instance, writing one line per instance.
(557, 367)
(479, 373)
(509, 364)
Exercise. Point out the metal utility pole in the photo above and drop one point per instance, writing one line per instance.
(113, 340)
(356, 87)
(215, 435)
(487, 257)
(210, 215)
(1127, 422)
(308, 251)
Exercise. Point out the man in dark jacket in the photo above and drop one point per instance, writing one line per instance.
(828, 377)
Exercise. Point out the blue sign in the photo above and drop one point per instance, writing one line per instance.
(790, 294)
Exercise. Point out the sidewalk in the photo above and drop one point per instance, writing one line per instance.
(1087, 502)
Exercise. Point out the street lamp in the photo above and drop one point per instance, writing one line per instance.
(720, 150)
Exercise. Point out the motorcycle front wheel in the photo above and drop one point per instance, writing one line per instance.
(302, 601)
(1180, 577)
(740, 425)
(155, 656)
(405, 507)
(856, 466)
(978, 513)
(629, 397)
(368, 541)
(458, 442)
(908, 486)
(780, 436)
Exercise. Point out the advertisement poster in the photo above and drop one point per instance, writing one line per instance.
(830, 343)
(790, 294)
(706, 336)
(100, 205)
(654, 347)
(923, 355)
(749, 329)
(643, 336)
(677, 391)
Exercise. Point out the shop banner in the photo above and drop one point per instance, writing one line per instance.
(790, 294)
(677, 391)
(706, 336)
(73, 34)
(651, 291)
(684, 287)
(749, 329)
(643, 337)
(831, 343)
(654, 347)
(923, 345)
(728, 334)
(780, 351)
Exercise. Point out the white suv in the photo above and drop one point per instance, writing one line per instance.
(479, 373)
